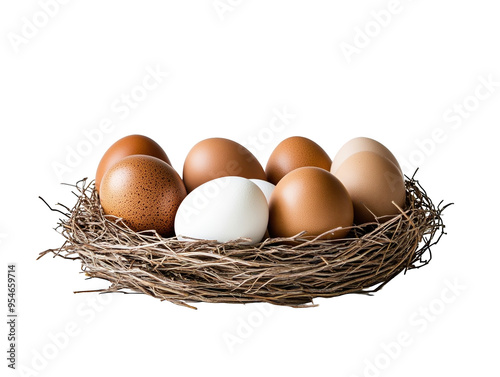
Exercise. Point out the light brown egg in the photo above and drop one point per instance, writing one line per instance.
(217, 157)
(295, 152)
(144, 191)
(373, 182)
(310, 199)
(128, 146)
(361, 144)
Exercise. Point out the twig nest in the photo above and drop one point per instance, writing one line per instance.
(272, 271)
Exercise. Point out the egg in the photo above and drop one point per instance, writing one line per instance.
(127, 146)
(374, 182)
(144, 191)
(293, 153)
(266, 187)
(219, 157)
(223, 209)
(310, 199)
(362, 144)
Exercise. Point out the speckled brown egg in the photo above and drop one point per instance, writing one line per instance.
(295, 152)
(144, 191)
(218, 157)
(128, 146)
(310, 199)
(362, 144)
(373, 182)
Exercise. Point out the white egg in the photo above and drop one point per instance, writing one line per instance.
(223, 209)
(266, 187)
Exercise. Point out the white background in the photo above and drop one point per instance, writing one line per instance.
(229, 70)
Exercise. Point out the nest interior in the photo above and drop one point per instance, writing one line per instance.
(282, 271)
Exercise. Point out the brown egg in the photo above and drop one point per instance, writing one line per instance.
(310, 199)
(361, 144)
(144, 191)
(128, 146)
(218, 157)
(373, 182)
(295, 152)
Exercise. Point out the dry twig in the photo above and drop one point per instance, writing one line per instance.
(276, 270)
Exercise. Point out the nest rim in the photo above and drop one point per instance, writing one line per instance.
(288, 271)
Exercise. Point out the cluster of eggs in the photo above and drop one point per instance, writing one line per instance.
(225, 194)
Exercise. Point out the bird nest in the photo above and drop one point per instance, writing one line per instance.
(282, 271)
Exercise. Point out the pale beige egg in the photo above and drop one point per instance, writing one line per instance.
(361, 144)
(375, 184)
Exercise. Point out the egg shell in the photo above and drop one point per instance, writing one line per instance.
(362, 144)
(293, 153)
(218, 157)
(144, 191)
(223, 209)
(310, 199)
(128, 146)
(373, 182)
(266, 187)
